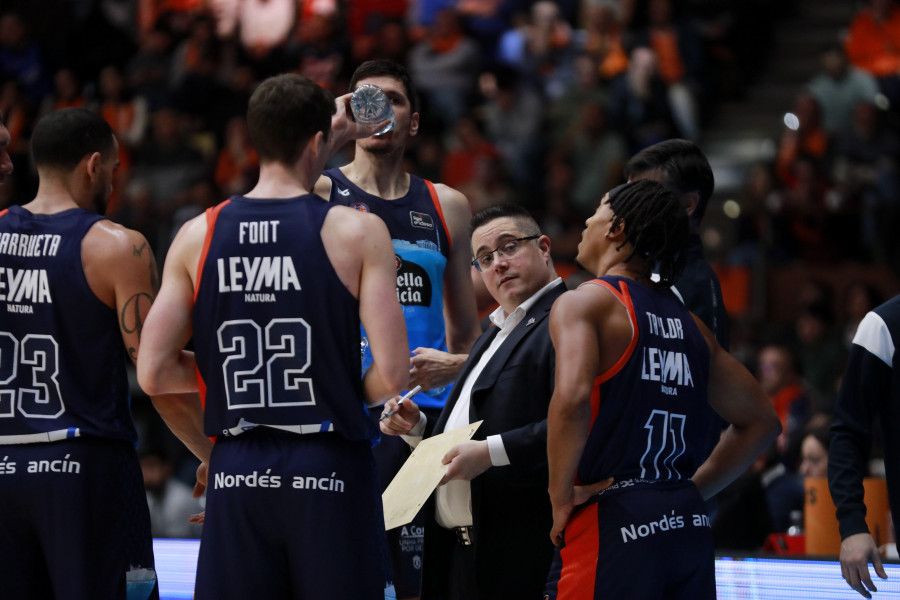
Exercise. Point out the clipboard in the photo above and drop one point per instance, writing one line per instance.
(420, 475)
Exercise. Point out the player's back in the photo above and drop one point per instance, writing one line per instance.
(276, 332)
(650, 410)
(63, 368)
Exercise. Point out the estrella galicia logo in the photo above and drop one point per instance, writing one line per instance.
(421, 220)
(360, 206)
(413, 283)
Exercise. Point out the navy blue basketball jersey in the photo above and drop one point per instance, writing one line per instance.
(421, 250)
(62, 359)
(649, 412)
(276, 332)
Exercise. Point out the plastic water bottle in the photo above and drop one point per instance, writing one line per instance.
(370, 104)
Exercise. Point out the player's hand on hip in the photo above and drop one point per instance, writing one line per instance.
(857, 551)
(561, 515)
(405, 417)
(432, 368)
(583, 493)
(466, 461)
(198, 519)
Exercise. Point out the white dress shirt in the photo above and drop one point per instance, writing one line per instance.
(453, 500)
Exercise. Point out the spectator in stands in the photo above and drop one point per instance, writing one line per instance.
(237, 167)
(604, 34)
(317, 51)
(125, 111)
(839, 87)
(814, 450)
(466, 149)
(680, 59)
(871, 44)
(21, 58)
(820, 353)
(541, 48)
(806, 137)
(858, 299)
(513, 115)
(778, 374)
(866, 176)
(563, 113)
(445, 67)
(166, 162)
(639, 103)
(597, 154)
(67, 92)
(148, 70)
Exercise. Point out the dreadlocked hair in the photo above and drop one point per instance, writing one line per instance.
(656, 226)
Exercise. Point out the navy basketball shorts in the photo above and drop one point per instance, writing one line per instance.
(407, 543)
(647, 543)
(73, 520)
(292, 516)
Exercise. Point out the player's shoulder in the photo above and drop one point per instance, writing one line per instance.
(350, 224)
(110, 239)
(450, 198)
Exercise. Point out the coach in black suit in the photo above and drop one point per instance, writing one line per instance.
(486, 525)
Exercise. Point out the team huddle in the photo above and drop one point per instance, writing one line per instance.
(288, 321)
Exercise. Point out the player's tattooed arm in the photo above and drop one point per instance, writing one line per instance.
(131, 319)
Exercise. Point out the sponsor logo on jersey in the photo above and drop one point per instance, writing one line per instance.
(360, 206)
(413, 284)
(421, 220)
(24, 285)
(343, 192)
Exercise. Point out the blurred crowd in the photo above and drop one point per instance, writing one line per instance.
(536, 102)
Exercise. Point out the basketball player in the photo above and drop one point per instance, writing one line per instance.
(273, 286)
(428, 224)
(634, 372)
(74, 290)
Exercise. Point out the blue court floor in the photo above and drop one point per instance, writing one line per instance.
(745, 578)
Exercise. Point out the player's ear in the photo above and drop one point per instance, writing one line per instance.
(316, 144)
(690, 201)
(616, 229)
(94, 160)
(414, 124)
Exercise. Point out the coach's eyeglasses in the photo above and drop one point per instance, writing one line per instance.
(507, 249)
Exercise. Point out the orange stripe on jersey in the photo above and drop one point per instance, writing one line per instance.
(3, 212)
(211, 215)
(624, 297)
(578, 578)
(201, 389)
(437, 206)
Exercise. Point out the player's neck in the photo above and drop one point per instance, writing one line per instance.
(631, 270)
(277, 181)
(53, 196)
(381, 175)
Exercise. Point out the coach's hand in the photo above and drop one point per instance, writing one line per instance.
(405, 416)
(466, 461)
(857, 551)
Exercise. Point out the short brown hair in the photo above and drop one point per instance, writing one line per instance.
(286, 111)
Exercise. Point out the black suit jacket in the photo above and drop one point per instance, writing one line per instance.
(511, 511)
